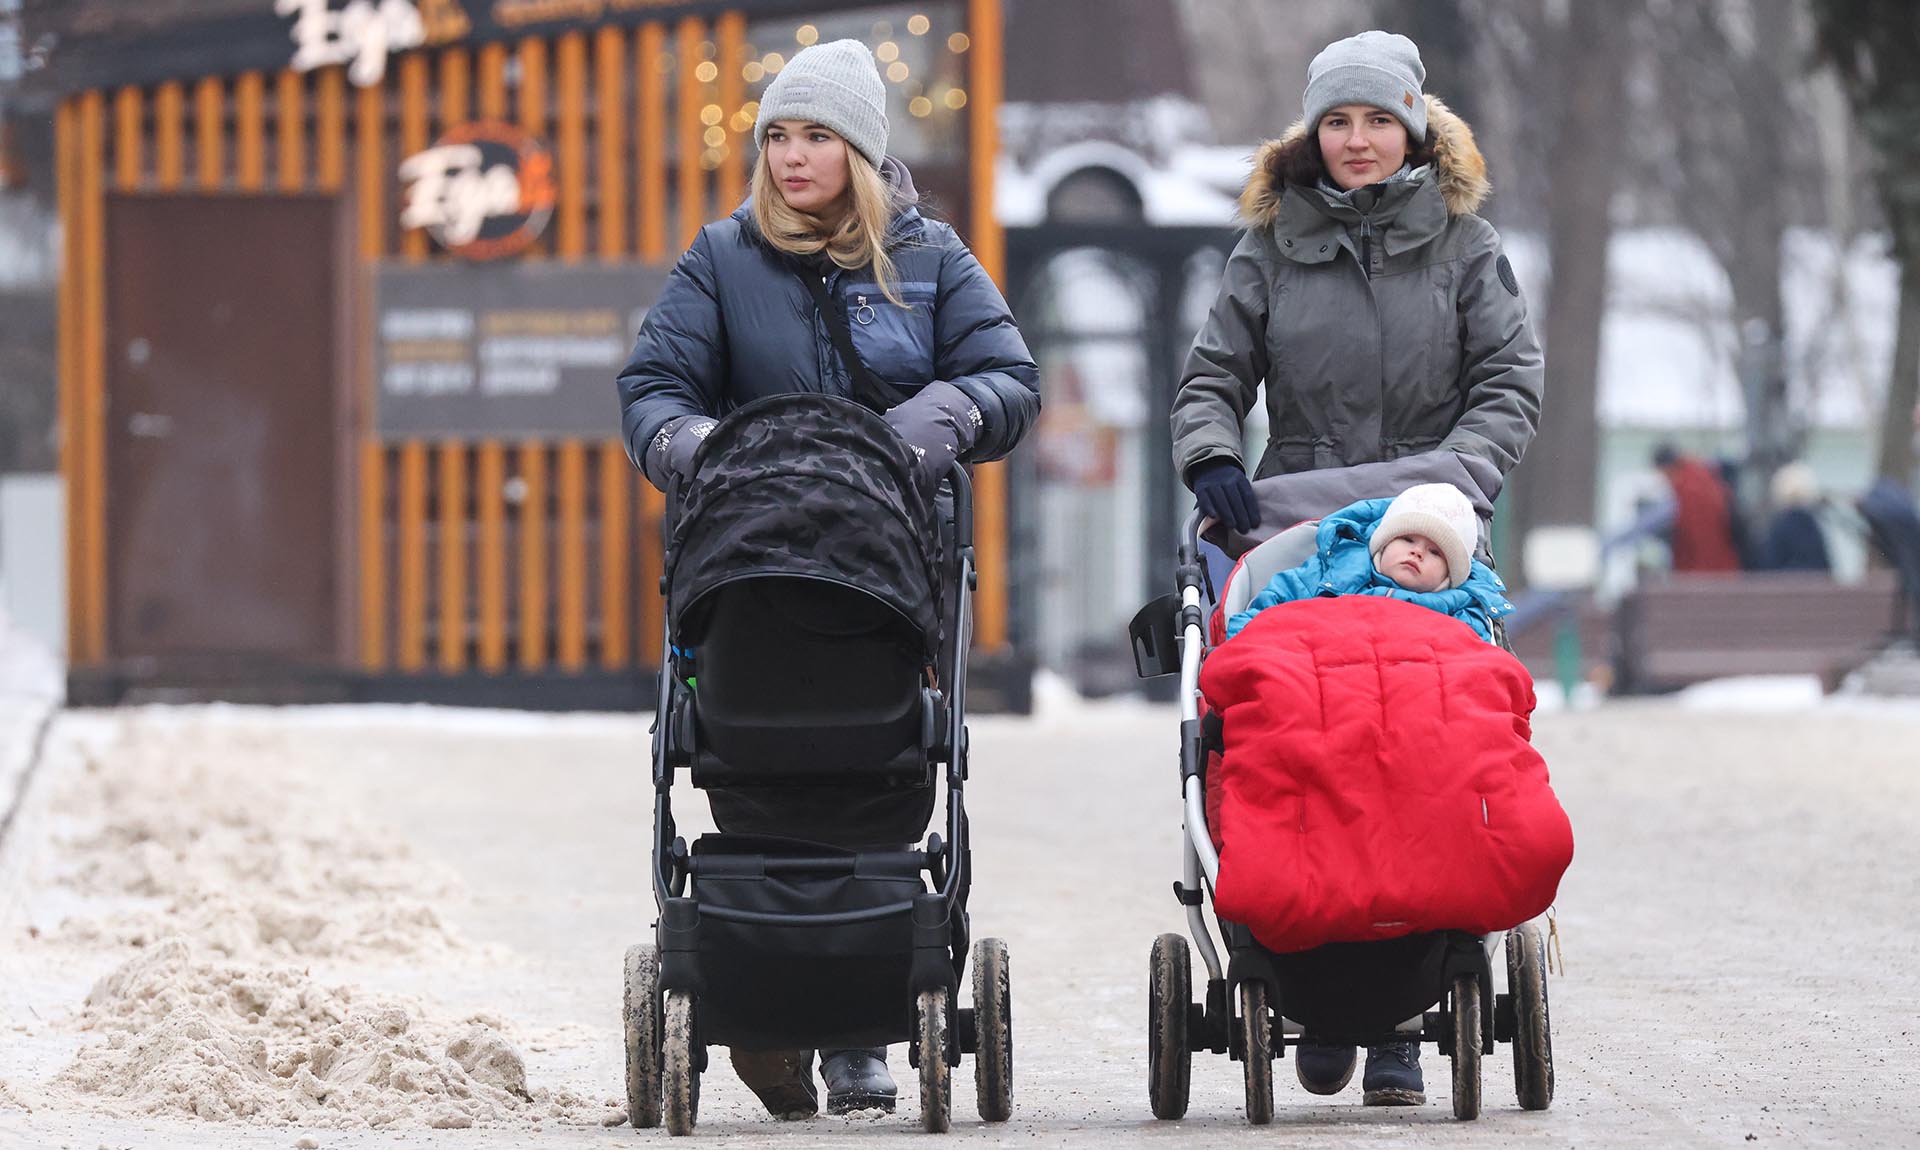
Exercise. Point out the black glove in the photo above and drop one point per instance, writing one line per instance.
(941, 423)
(670, 453)
(1224, 493)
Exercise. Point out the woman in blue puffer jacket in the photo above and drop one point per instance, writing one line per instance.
(737, 322)
(831, 217)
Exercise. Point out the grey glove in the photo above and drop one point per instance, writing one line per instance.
(941, 424)
(671, 452)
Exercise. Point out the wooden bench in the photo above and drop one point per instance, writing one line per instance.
(1536, 648)
(1687, 628)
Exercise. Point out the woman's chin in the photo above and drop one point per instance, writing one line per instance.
(810, 205)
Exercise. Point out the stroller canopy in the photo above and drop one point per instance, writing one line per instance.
(807, 486)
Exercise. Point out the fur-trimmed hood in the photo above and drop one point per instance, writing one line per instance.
(1458, 167)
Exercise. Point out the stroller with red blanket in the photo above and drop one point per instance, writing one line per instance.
(1343, 926)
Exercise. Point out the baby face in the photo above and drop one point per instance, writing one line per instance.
(1415, 562)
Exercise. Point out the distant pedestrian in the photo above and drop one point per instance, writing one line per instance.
(1795, 540)
(1701, 537)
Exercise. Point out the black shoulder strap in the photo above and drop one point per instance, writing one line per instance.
(868, 389)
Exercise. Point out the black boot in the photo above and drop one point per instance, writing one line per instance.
(857, 1080)
(1393, 1075)
(1323, 1069)
(783, 1080)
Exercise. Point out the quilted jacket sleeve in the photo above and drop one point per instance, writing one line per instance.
(679, 362)
(979, 350)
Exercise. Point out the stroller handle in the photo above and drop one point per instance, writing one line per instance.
(1190, 537)
(962, 484)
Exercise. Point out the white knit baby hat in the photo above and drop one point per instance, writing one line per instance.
(1442, 513)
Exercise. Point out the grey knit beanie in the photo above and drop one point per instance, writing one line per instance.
(835, 85)
(1380, 69)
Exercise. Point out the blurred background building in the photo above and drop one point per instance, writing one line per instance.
(1703, 201)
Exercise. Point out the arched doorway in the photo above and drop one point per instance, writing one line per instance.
(1109, 306)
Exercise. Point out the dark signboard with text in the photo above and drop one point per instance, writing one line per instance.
(505, 351)
(113, 43)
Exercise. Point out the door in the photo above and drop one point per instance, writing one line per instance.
(224, 422)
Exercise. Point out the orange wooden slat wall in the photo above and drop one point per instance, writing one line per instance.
(128, 111)
(290, 96)
(533, 556)
(533, 107)
(692, 205)
(490, 497)
(571, 602)
(92, 356)
(74, 479)
(456, 82)
(985, 67)
(609, 75)
(413, 138)
(331, 129)
(570, 80)
(250, 131)
(169, 114)
(370, 145)
(412, 646)
(209, 131)
(616, 587)
(650, 187)
(452, 510)
(732, 36)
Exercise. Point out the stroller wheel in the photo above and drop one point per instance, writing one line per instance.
(993, 1030)
(1256, 1023)
(1466, 1047)
(681, 1064)
(930, 1054)
(640, 1019)
(1532, 1029)
(1169, 994)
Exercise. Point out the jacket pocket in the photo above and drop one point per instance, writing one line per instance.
(1392, 447)
(896, 342)
(1294, 453)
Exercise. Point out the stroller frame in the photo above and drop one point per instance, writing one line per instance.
(1243, 1014)
(663, 982)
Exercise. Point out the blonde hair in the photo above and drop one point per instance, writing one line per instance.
(858, 240)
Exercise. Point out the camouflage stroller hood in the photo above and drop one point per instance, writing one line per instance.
(810, 486)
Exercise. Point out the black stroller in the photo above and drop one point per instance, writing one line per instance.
(803, 688)
(1344, 994)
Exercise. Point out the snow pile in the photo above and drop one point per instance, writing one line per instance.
(244, 863)
(229, 1041)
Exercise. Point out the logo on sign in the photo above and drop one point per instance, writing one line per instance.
(482, 191)
(363, 33)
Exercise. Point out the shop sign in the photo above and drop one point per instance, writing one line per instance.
(483, 191)
(505, 351)
(362, 33)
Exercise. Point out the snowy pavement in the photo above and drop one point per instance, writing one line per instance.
(260, 928)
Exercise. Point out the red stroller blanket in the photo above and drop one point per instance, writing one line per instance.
(1378, 779)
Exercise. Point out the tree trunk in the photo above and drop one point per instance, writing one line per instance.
(1556, 484)
(1897, 426)
(1774, 430)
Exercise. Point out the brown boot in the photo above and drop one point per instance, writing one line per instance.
(783, 1079)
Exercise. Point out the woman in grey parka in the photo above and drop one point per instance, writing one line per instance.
(1376, 309)
(831, 218)
(1388, 331)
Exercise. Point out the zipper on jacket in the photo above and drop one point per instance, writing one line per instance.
(1366, 245)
